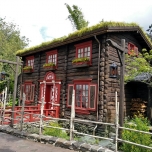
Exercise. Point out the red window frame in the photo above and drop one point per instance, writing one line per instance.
(83, 95)
(29, 89)
(131, 47)
(52, 56)
(30, 61)
(82, 50)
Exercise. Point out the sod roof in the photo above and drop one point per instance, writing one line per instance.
(101, 28)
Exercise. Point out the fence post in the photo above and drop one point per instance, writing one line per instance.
(72, 115)
(22, 111)
(41, 116)
(4, 105)
(116, 122)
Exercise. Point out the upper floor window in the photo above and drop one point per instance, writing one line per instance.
(85, 96)
(84, 50)
(132, 49)
(30, 61)
(51, 57)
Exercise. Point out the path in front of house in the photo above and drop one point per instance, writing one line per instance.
(9, 143)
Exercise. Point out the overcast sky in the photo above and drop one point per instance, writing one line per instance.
(43, 20)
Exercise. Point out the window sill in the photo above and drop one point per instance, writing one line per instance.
(49, 68)
(28, 71)
(82, 111)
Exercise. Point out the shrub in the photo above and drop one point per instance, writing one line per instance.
(10, 103)
(138, 123)
(54, 131)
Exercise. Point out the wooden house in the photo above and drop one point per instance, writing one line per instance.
(79, 61)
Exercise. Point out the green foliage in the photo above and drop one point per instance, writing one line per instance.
(147, 55)
(88, 140)
(27, 68)
(81, 32)
(138, 123)
(10, 41)
(1, 104)
(10, 103)
(150, 31)
(54, 131)
(132, 53)
(135, 66)
(76, 17)
(84, 59)
(48, 64)
(7, 82)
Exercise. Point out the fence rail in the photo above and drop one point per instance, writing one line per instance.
(30, 114)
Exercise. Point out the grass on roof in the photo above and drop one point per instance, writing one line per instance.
(80, 33)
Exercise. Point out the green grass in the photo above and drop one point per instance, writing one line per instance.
(80, 33)
(55, 132)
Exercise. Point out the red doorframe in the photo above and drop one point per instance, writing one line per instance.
(45, 91)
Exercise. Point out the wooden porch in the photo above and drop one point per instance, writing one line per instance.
(30, 114)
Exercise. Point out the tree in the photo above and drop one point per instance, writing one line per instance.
(137, 65)
(76, 17)
(10, 42)
(150, 31)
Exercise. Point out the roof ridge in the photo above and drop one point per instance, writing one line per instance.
(78, 33)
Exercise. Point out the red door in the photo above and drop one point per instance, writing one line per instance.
(52, 99)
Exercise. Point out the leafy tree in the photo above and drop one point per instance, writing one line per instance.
(10, 42)
(150, 31)
(136, 65)
(76, 17)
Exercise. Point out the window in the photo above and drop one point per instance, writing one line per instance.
(51, 57)
(30, 61)
(85, 96)
(28, 88)
(132, 49)
(84, 50)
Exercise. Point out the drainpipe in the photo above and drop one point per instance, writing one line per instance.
(98, 74)
(38, 85)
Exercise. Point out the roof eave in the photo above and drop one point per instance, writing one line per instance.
(88, 35)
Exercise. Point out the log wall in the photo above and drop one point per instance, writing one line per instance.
(66, 73)
(114, 84)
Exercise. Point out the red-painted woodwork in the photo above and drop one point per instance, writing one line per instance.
(29, 114)
(28, 88)
(30, 61)
(50, 90)
(84, 50)
(51, 57)
(85, 96)
(132, 49)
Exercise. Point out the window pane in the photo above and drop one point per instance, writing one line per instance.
(70, 95)
(88, 54)
(79, 51)
(92, 96)
(85, 49)
(32, 93)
